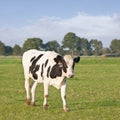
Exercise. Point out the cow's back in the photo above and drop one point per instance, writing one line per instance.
(28, 55)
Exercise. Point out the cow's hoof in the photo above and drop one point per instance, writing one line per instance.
(45, 107)
(66, 109)
(28, 101)
(33, 104)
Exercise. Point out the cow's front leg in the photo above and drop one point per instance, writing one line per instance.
(45, 105)
(33, 93)
(63, 96)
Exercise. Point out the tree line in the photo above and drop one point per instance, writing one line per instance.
(71, 44)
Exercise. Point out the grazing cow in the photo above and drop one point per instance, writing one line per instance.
(49, 68)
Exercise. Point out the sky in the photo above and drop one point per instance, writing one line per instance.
(53, 19)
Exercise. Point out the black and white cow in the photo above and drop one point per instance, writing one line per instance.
(49, 68)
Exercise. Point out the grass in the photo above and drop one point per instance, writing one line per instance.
(93, 94)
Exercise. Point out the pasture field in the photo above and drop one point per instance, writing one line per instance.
(93, 94)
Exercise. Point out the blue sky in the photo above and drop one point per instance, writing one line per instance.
(52, 19)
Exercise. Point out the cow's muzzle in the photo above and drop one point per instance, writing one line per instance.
(70, 76)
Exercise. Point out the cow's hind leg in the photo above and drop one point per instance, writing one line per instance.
(27, 87)
(33, 93)
(45, 105)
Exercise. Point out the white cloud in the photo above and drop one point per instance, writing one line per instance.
(104, 28)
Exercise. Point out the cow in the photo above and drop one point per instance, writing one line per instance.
(49, 68)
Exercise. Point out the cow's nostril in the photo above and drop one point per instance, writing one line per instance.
(71, 76)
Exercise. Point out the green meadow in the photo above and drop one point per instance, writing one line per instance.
(93, 94)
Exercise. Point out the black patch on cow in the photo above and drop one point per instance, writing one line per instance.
(35, 61)
(46, 62)
(60, 65)
(34, 68)
(56, 71)
(32, 59)
(42, 70)
(59, 60)
(48, 71)
(37, 68)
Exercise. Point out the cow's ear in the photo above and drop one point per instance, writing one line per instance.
(77, 59)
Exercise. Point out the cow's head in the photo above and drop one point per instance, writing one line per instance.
(65, 64)
(70, 62)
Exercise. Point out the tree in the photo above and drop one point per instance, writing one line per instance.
(52, 46)
(96, 46)
(85, 47)
(17, 50)
(2, 48)
(32, 43)
(115, 46)
(78, 48)
(8, 50)
(70, 42)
